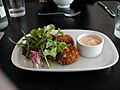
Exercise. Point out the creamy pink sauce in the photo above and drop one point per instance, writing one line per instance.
(91, 41)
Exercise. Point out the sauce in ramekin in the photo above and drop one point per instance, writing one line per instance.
(90, 41)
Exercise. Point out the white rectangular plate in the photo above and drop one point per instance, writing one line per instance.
(107, 58)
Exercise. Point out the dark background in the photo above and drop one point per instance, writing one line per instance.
(92, 17)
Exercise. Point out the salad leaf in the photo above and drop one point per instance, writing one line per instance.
(53, 47)
(61, 46)
(51, 43)
(48, 30)
(52, 52)
(59, 32)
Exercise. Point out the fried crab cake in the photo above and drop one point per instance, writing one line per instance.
(68, 56)
(65, 38)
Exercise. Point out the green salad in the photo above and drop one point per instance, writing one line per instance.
(41, 46)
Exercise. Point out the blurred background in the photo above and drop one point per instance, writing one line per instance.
(75, 0)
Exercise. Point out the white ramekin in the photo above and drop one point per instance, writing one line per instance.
(87, 50)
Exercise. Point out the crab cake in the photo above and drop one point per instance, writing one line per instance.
(68, 56)
(65, 38)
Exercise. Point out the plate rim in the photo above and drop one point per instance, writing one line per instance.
(72, 70)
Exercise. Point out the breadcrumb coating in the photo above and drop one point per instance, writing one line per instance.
(68, 56)
(65, 38)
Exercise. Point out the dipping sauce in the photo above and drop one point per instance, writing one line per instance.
(89, 40)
